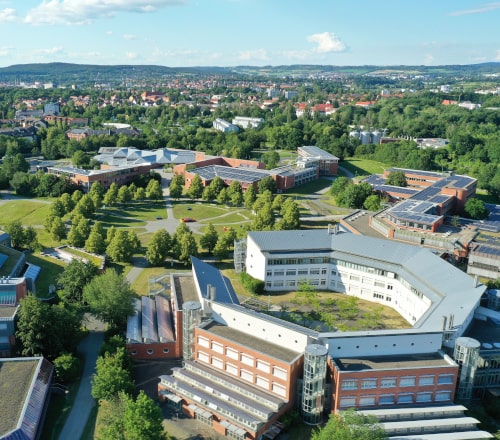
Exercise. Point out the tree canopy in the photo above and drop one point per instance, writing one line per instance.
(350, 425)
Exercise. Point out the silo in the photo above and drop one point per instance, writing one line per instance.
(376, 135)
(354, 134)
(466, 354)
(366, 137)
(191, 318)
(313, 388)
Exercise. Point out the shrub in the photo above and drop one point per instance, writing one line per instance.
(254, 285)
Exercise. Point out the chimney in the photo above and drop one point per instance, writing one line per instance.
(445, 319)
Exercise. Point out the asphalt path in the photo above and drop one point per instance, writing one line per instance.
(84, 402)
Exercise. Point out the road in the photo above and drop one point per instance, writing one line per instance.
(84, 402)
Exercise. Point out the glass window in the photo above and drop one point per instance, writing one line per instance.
(408, 381)
(424, 397)
(347, 401)
(369, 383)
(367, 401)
(426, 380)
(388, 382)
(443, 396)
(445, 379)
(279, 373)
(387, 399)
(405, 398)
(350, 384)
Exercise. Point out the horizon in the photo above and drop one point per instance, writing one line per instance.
(231, 33)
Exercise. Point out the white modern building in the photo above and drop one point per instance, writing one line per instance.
(424, 289)
(247, 122)
(224, 126)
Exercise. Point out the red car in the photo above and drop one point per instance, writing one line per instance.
(188, 220)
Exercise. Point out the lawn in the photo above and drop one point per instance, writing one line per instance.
(231, 216)
(51, 268)
(363, 167)
(139, 211)
(29, 212)
(141, 284)
(198, 210)
(310, 187)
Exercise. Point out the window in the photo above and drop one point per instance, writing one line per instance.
(314, 272)
(217, 347)
(388, 383)
(424, 397)
(350, 384)
(231, 369)
(323, 271)
(367, 401)
(443, 396)
(278, 284)
(279, 390)
(408, 381)
(303, 272)
(290, 283)
(247, 360)
(203, 342)
(150, 351)
(426, 380)
(347, 401)
(165, 350)
(134, 353)
(291, 273)
(369, 383)
(232, 354)
(279, 373)
(217, 363)
(387, 399)
(405, 398)
(445, 379)
(262, 382)
(246, 375)
(269, 273)
(279, 273)
(263, 366)
(203, 357)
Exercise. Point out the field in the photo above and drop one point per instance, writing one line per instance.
(363, 167)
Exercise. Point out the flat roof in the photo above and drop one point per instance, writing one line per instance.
(273, 350)
(313, 151)
(185, 288)
(242, 174)
(392, 362)
(8, 311)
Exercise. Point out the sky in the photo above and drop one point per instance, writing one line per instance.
(182, 33)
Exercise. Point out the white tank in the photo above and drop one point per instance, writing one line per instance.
(354, 134)
(366, 137)
(376, 135)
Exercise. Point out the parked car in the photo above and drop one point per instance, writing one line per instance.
(188, 220)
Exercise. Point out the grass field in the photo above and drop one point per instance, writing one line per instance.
(310, 188)
(29, 212)
(363, 167)
(198, 210)
(51, 268)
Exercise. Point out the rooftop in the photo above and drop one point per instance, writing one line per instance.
(313, 151)
(392, 362)
(185, 289)
(259, 345)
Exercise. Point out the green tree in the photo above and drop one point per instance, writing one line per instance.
(235, 193)
(209, 239)
(67, 367)
(67, 202)
(187, 248)
(143, 419)
(223, 197)
(350, 425)
(75, 276)
(96, 243)
(264, 219)
(372, 203)
(290, 213)
(109, 424)
(159, 247)
(153, 190)
(250, 197)
(140, 194)
(85, 206)
(111, 378)
(110, 297)
(267, 183)
(111, 196)
(195, 191)
(16, 231)
(476, 209)
(57, 229)
(47, 330)
(339, 185)
(225, 243)
(123, 245)
(80, 229)
(124, 194)
(175, 191)
(396, 178)
(76, 196)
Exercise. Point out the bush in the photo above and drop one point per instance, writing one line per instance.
(67, 367)
(254, 285)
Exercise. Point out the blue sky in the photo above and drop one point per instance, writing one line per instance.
(249, 32)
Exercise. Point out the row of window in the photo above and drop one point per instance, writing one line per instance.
(296, 272)
(391, 382)
(392, 399)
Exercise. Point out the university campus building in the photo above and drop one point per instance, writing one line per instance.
(243, 369)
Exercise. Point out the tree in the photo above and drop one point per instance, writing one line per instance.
(109, 424)
(396, 178)
(264, 219)
(250, 197)
(187, 248)
(175, 191)
(267, 183)
(67, 367)
(476, 209)
(350, 425)
(124, 194)
(85, 206)
(96, 243)
(153, 190)
(225, 243)
(111, 196)
(159, 247)
(110, 297)
(223, 197)
(235, 193)
(290, 219)
(110, 377)
(339, 185)
(16, 231)
(76, 196)
(47, 330)
(57, 229)
(80, 229)
(372, 203)
(123, 245)
(140, 193)
(195, 191)
(67, 202)
(209, 239)
(143, 419)
(75, 276)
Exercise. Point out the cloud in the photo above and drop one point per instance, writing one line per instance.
(79, 12)
(7, 14)
(327, 42)
(258, 54)
(487, 7)
(131, 55)
(50, 51)
(129, 37)
(5, 51)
